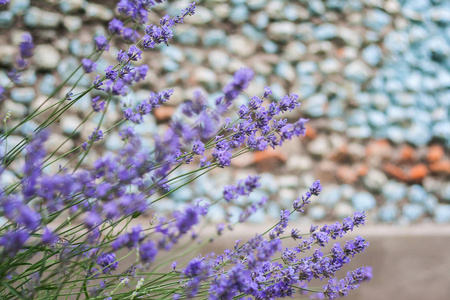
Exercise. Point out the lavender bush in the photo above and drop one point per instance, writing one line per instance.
(68, 233)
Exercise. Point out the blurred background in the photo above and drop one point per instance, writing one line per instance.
(373, 76)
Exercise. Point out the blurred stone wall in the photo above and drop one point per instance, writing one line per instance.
(373, 76)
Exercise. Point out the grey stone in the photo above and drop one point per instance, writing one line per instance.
(281, 31)
(375, 180)
(261, 20)
(269, 183)
(440, 15)
(377, 118)
(357, 117)
(441, 129)
(98, 12)
(214, 37)
(285, 71)
(414, 82)
(413, 211)
(306, 67)
(294, 51)
(278, 91)
(7, 55)
(288, 181)
(241, 46)
(252, 33)
(187, 35)
(239, 14)
(336, 109)
(357, 71)
(218, 60)
(350, 37)
(28, 77)
(316, 7)
(372, 55)
(394, 86)
(205, 76)
(317, 212)
(299, 163)
(169, 65)
(330, 196)
(48, 84)
(46, 57)
(388, 213)
(23, 95)
(6, 19)
(19, 7)
(363, 201)
(304, 32)
(319, 146)
(445, 193)
(359, 132)
(315, 105)
(256, 4)
(430, 203)
(325, 31)
(36, 17)
(396, 41)
(417, 33)
(404, 99)
(270, 47)
(184, 194)
(70, 6)
(417, 194)
(376, 19)
(394, 191)
(69, 123)
(202, 16)
(343, 210)
(442, 214)
(418, 135)
(396, 114)
(72, 23)
(395, 134)
(330, 66)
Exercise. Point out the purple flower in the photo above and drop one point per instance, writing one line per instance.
(92, 220)
(189, 217)
(26, 47)
(101, 43)
(48, 237)
(12, 241)
(107, 261)
(241, 80)
(4, 2)
(115, 26)
(198, 147)
(88, 65)
(315, 188)
(130, 35)
(147, 252)
(28, 218)
(97, 105)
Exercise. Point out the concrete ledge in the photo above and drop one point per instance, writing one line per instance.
(408, 263)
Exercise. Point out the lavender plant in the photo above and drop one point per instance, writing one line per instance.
(79, 233)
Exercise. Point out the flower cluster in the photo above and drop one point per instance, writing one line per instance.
(68, 231)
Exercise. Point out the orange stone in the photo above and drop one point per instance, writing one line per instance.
(269, 159)
(418, 172)
(310, 133)
(407, 154)
(442, 166)
(394, 171)
(379, 148)
(362, 170)
(347, 174)
(164, 113)
(435, 153)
